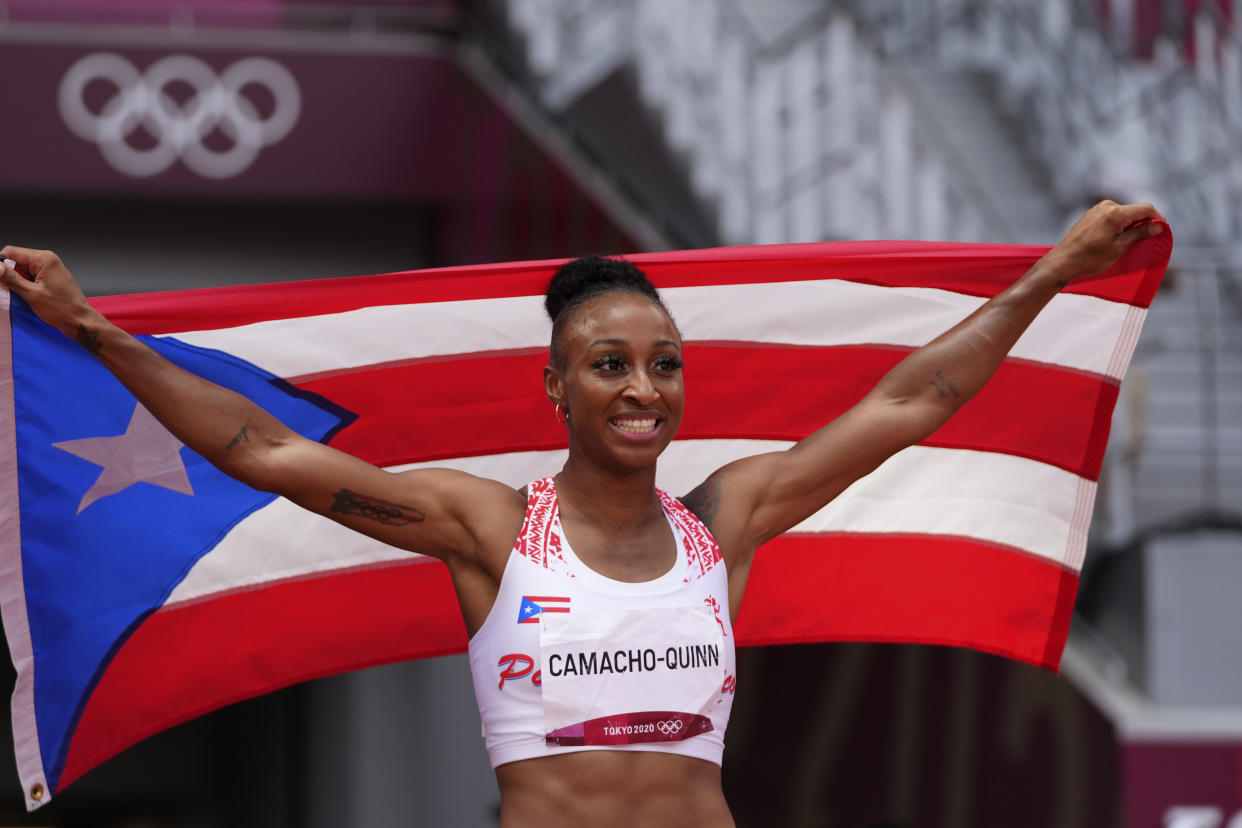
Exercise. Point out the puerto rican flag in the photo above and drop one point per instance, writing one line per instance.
(534, 606)
(141, 587)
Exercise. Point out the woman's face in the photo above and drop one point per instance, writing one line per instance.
(621, 384)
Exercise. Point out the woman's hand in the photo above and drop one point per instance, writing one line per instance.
(50, 290)
(1099, 238)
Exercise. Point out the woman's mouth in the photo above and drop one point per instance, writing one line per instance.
(635, 425)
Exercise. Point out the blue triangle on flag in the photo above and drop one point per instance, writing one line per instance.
(92, 576)
(528, 611)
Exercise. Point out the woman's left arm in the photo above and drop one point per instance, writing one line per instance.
(755, 499)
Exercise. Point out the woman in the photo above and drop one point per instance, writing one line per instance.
(622, 721)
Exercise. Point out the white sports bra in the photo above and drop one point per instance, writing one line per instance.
(570, 660)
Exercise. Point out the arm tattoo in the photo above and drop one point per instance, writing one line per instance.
(372, 508)
(704, 501)
(89, 340)
(944, 386)
(239, 437)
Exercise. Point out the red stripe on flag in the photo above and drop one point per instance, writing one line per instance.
(735, 390)
(980, 270)
(192, 658)
(903, 588)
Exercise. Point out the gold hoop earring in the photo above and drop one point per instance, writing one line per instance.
(560, 414)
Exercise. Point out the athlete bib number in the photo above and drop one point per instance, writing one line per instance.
(618, 678)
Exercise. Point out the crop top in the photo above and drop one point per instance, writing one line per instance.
(570, 660)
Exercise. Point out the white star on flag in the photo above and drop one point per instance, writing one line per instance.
(146, 453)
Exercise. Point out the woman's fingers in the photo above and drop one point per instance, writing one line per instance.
(1143, 229)
(1102, 235)
(48, 286)
(35, 265)
(1114, 217)
(1136, 222)
(1130, 214)
(25, 259)
(1129, 223)
(15, 280)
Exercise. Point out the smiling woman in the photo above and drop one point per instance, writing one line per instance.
(615, 358)
(600, 608)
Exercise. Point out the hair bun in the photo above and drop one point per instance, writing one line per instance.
(580, 279)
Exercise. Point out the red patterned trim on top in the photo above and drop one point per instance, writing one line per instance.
(540, 537)
(702, 552)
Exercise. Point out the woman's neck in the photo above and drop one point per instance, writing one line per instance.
(619, 501)
(615, 524)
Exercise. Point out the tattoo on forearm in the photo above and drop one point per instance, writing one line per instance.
(372, 508)
(704, 501)
(944, 386)
(239, 437)
(89, 339)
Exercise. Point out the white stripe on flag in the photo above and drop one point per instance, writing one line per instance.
(991, 497)
(1075, 331)
(26, 747)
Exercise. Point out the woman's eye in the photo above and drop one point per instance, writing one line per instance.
(668, 364)
(609, 363)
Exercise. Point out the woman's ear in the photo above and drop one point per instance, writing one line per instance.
(553, 385)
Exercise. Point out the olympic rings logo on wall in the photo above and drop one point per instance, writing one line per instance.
(179, 129)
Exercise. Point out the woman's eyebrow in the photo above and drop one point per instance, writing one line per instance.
(659, 343)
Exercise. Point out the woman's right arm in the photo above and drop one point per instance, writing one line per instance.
(438, 512)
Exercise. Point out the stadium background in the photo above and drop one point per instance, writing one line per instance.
(441, 132)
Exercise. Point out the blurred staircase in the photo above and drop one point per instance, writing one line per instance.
(785, 121)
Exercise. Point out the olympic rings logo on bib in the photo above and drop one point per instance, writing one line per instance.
(180, 129)
(669, 728)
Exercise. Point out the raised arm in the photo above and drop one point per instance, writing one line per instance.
(755, 499)
(437, 512)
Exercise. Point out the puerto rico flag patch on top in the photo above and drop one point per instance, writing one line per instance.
(534, 606)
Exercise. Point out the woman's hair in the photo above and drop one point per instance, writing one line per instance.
(582, 279)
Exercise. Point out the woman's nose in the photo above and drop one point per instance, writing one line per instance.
(641, 390)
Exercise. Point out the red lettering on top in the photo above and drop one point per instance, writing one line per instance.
(515, 666)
